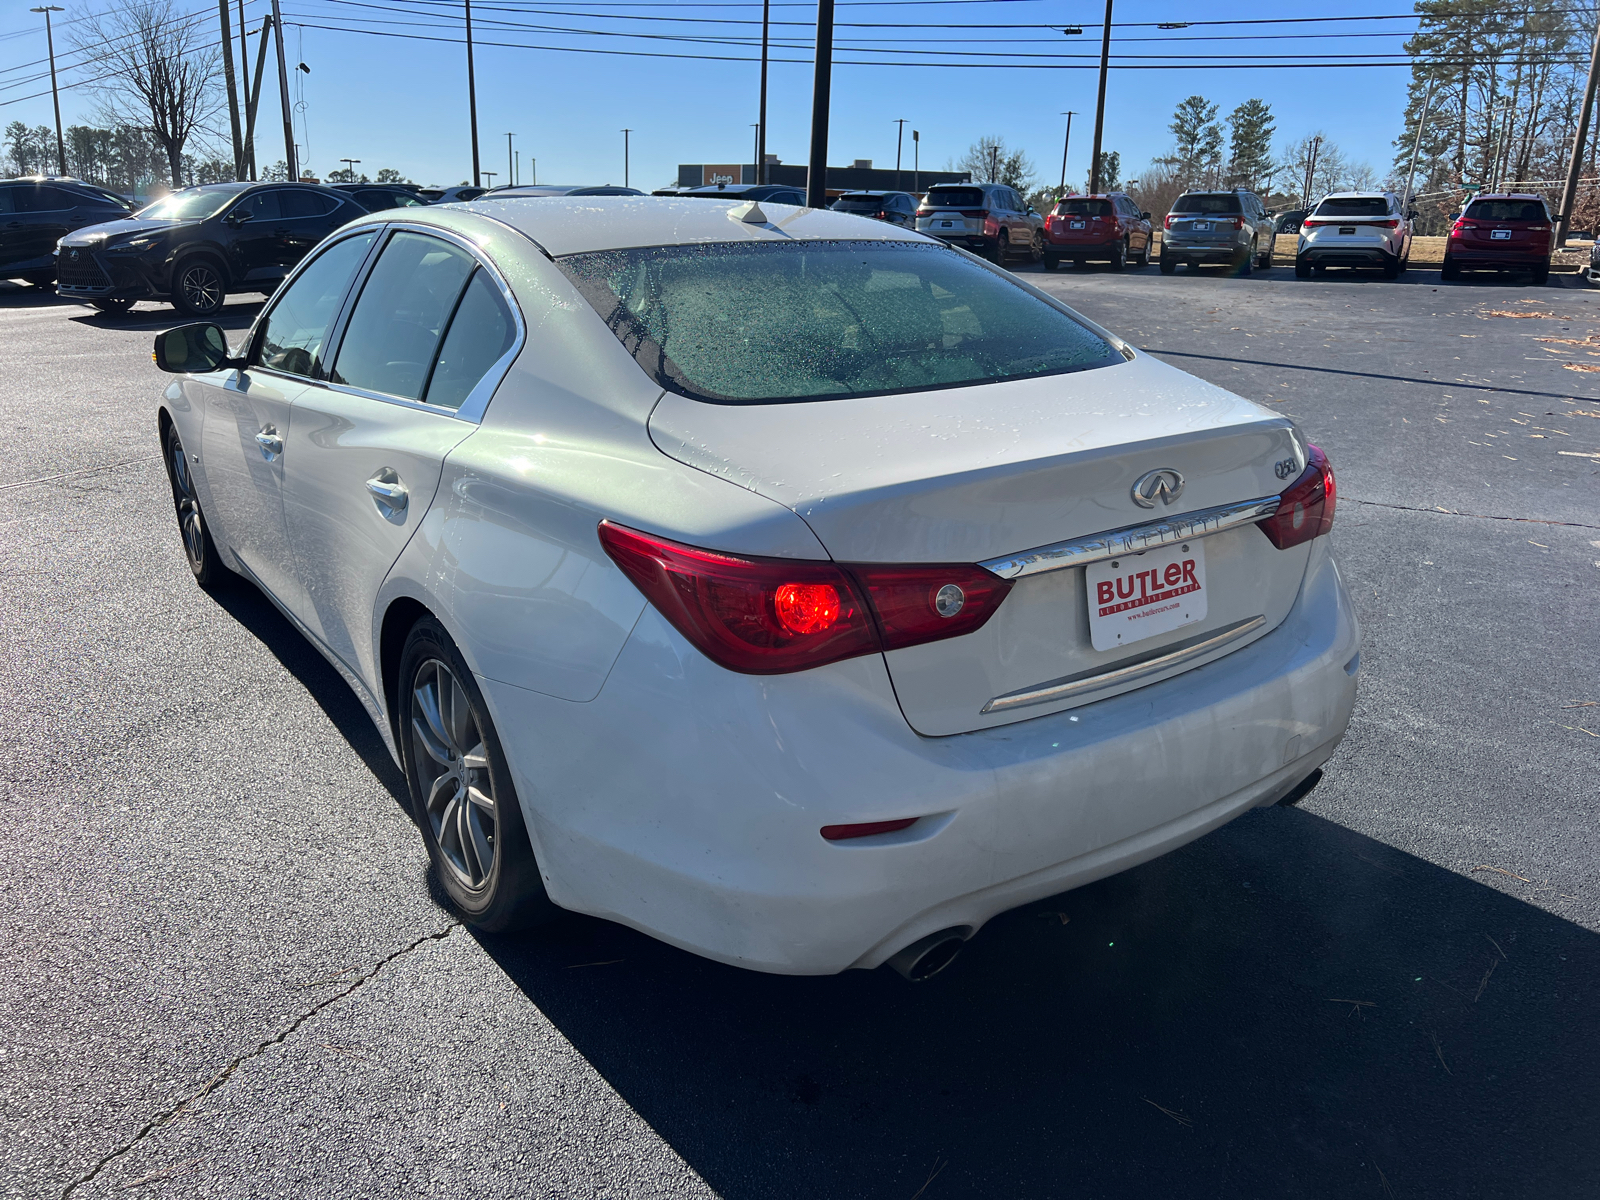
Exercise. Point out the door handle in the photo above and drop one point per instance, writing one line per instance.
(270, 442)
(388, 491)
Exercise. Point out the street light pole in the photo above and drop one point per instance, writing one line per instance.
(1067, 145)
(916, 162)
(472, 99)
(1100, 103)
(822, 79)
(761, 115)
(755, 149)
(899, 141)
(511, 161)
(50, 44)
(350, 168)
(625, 136)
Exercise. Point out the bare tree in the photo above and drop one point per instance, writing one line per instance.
(990, 160)
(155, 71)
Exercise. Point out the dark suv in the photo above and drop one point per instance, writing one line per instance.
(897, 208)
(38, 211)
(987, 218)
(1104, 228)
(1217, 227)
(376, 196)
(196, 246)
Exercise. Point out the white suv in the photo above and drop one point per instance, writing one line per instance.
(1355, 229)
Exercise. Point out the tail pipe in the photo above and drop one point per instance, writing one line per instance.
(927, 956)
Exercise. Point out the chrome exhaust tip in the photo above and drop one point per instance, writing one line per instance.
(926, 957)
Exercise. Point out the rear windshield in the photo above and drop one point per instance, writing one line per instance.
(768, 322)
(1506, 210)
(859, 203)
(1084, 208)
(1207, 204)
(954, 198)
(1353, 206)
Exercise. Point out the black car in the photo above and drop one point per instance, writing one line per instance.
(38, 211)
(375, 196)
(523, 191)
(897, 208)
(196, 246)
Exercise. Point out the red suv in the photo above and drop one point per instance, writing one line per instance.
(1511, 232)
(1105, 228)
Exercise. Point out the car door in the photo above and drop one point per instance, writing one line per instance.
(306, 221)
(252, 225)
(13, 234)
(367, 444)
(247, 415)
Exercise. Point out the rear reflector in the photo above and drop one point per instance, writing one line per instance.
(838, 833)
(1305, 510)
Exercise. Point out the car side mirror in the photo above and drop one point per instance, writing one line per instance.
(237, 218)
(1454, 215)
(191, 349)
(1144, 216)
(1411, 215)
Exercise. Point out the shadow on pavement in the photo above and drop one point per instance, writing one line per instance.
(1285, 1008)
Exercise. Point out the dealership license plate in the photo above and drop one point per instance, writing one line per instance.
(1201, 226)
(1137, 596)
(1347, 230)
(947, 224)
(1075, 225)
(1500, 235)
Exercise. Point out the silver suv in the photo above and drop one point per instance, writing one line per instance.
(989, 219)
(1355, 229)
(1234, 228)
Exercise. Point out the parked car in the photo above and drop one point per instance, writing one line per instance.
(989, 219)
(897, 208)
(1102, 228)
(1288, 222)
(1355, 229)
(776, 193)
(1514, 231)
(374, 197)
(37, 211)
(451, 195)
(803, 597)
(197, 246)
(524, 191)
(1231, 228)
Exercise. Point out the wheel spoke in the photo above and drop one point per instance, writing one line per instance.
(468, 844)
(449, 827)
(442, 786)
(481, 800)
(476, 759)
(458, 714)
(427, 702)
(430, 742)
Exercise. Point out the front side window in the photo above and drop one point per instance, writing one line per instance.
(769, 322)
(296, 330)
(401, 315)
(258, 206)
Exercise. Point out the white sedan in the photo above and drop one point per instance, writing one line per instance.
(789, 586)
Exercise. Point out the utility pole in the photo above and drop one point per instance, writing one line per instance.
(511, 161)
(255, 95)
(516, 176)
(472, 99)
(1100, 103)
(1067, 145)
(350, 168)
(283, 93)
(899, 141)
(822, 80)
(626, 134)
(1311, 169)
(244, 92)
(755, 151)
(50, 43)
(1569, 194)
(761, 115)
(228, 82)
(916, 162)
(1416, 146)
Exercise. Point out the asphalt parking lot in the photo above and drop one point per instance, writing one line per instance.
(225, 974)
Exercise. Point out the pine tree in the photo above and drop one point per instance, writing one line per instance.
(1198, 150)
(1250, 146)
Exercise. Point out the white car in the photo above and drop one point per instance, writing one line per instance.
(1355, 229)
(787, 585)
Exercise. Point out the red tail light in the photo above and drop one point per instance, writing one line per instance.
(1305, 510)
(1238, 222)
(1304, 221)
(991, 223)
(767, 616)
(1166, 222)
(1389, 224)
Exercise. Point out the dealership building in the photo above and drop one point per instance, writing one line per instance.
(860, 176)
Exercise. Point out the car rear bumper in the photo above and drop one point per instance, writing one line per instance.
(975, 242)
(1202, 251)
(1478, 260)
(1346, 256)
(1065, 248)
(686, 801)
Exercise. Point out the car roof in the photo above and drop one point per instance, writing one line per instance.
(580, 225)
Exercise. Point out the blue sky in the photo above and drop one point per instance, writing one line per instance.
(401, 103)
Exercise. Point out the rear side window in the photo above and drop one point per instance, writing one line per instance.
(767, 322)
(306, 204)
(1507, 210)
(481, 332)
(401, 315)
(1207, 204)
(1353, 206)
(954, 198)
(376, 200)
(1084, 208)
(296, 330)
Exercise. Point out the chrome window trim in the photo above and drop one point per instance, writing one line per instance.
(1132, 539)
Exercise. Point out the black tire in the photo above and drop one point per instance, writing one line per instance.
(1448, 271)
(1144, 255)
(1168, 266)
(199, 287)
(1264, 263)
(115, 308)
(462, 796)
(40, 279)
(1119, 256)
(198, 548)
(1036, 248)
(1302, 269)
(1248, 262)
(1051, 261)
(1002, 248)
(1541, 276)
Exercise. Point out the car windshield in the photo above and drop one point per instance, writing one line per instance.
(1206, 204)
(1353, 206)
(768, 322)
(954, 198)
(1084, 208)
(194, 205)
(1506, 210)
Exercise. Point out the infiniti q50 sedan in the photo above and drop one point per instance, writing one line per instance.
(789, 586)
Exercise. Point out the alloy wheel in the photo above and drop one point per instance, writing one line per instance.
(201, 288)
(453, 766)
(190, 523)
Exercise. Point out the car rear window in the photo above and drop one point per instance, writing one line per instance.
(1206, 204)
(1353, 206)
(859, 203)
(1507, 210)
(1084, 208)
(764, 323)
(954, 198)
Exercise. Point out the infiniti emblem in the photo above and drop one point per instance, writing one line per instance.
(1165, 485)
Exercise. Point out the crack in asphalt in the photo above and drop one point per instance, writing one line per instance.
(6, 487)
(222, 1077)
(1450, 512)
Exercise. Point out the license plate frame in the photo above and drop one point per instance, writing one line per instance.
(1133, 610)
(1076, 225)
(1500, 235)
(1201, 226)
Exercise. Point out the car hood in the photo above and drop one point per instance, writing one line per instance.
(91, 235)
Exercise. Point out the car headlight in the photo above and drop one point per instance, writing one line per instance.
(133, 246)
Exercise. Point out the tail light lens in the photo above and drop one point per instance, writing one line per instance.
(1305, 510)
(1166, 222)
(1238, 222)
(768, 616)
(1306, 222)
(991, 223)
(1390, 224)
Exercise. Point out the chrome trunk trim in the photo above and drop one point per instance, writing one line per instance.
(1132, 539)
(1162, 661)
